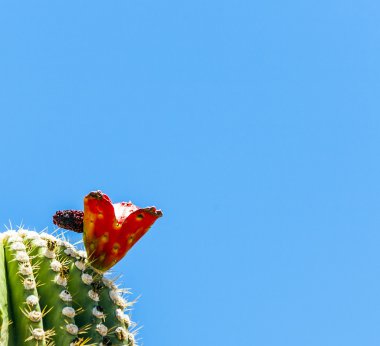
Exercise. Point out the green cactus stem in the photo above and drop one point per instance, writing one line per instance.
(51, 295)
(4, 306)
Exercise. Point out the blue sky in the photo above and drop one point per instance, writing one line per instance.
(253, 125)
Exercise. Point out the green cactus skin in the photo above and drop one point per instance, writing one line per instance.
(50, 295)
(4, 313)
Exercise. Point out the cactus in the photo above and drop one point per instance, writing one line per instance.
(53, 294)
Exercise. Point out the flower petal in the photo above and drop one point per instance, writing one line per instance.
(110, 230)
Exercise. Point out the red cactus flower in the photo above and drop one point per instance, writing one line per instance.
(110, 230)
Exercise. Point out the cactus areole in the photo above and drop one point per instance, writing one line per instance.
(53, 294)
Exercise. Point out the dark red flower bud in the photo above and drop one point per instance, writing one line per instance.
(69, 219)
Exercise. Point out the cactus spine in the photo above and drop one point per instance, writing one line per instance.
(51, 295)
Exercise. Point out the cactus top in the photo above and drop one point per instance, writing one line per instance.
(50, 295)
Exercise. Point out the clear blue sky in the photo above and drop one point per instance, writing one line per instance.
(254, 125)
